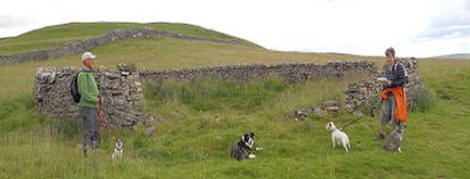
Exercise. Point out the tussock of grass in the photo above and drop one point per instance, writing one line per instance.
(215, 96)
(19, 108)
(425, 100)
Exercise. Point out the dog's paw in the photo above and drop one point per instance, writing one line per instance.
(251, 156)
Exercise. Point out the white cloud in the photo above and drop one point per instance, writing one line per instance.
(7, 22)
(348, 26)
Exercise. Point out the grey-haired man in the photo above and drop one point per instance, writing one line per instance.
(89, 99)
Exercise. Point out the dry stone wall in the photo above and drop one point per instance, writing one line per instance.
(123, 95)
(368, 89)
(287, 72)
(86, 45)
(365, 91)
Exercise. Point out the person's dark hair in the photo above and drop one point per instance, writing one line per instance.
(391, 51)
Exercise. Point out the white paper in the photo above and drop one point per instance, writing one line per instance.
(382, 79)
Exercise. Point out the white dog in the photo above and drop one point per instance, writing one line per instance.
(338, 136)
(117, 154)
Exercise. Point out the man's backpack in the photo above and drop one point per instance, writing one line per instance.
(74, 89)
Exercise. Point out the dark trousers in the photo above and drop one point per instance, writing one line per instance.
(91, 136)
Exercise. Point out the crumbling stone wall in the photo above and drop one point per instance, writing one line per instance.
(122, 94)
(86, 45)
(288, 72)
(364, 91)
(368, 89)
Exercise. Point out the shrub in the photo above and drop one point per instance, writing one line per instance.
(425, 100)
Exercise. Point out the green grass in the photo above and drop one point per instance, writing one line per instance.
(191, 144)
(215, 96)
(158, 53)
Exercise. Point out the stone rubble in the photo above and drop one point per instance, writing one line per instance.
(367, 90)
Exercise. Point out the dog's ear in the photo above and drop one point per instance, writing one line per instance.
(246, 136)
(252, 134)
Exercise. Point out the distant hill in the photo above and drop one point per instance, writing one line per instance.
(158, 52)
(57, 36)
(458, 56)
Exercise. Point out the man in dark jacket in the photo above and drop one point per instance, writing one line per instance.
(89, 103)
(397, 77)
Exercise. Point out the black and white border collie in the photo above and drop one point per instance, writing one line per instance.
(241, 150)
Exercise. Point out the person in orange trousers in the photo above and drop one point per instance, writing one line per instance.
(394, 107)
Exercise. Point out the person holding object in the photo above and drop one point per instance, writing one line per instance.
(89, 99)
(393, 96)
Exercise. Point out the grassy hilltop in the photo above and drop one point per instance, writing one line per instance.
(59, 35)
(191, 144)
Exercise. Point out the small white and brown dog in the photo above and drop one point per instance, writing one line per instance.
(118, 149)
(338, 137)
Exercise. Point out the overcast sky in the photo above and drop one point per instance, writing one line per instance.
(418, 28)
